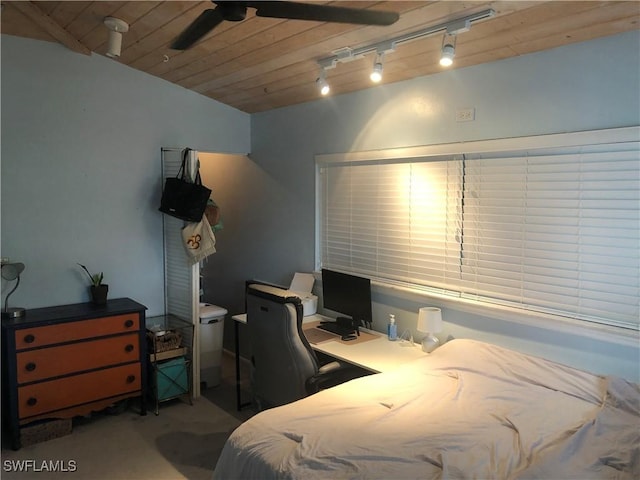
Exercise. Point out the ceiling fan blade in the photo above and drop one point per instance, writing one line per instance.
(322, 13)
(202, 25)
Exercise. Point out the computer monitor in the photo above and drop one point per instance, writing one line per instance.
(347, 295)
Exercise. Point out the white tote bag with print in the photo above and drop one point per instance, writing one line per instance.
(199, 240)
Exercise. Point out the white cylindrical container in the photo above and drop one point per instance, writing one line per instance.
(211, 333)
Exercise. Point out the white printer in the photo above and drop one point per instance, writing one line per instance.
(301, 286)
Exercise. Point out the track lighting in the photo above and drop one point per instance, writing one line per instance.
(448, 51)
(116, 28)
(376, 73)
(322, 83)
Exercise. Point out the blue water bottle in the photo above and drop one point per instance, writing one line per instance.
(392, 328)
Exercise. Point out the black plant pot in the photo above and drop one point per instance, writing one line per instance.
(99, 294)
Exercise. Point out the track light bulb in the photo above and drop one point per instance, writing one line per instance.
(376, 73)
(448, 52)
(322, 83)
(323, 86)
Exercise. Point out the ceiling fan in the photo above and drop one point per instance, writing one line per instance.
(236, 12)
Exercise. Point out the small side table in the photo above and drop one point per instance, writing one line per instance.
(170, 347)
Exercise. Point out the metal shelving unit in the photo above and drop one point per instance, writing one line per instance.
(170, 348)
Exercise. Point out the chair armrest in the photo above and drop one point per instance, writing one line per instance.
(332, 374)
(330, 367)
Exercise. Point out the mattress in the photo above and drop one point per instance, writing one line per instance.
(468, 410)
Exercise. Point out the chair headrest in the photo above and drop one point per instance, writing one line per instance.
(275, 294)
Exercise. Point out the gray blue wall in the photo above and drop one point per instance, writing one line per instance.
(81, 179)
(591, 85)
(81, 139)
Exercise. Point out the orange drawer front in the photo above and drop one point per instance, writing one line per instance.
(55, 361)
(66, 332)
(84, 388)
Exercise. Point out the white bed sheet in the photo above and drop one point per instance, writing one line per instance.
(469, 410)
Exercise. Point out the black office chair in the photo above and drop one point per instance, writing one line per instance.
(284, 366)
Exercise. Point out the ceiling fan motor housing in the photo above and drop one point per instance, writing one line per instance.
(232, 11)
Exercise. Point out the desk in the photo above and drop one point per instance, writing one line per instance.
(379, 355)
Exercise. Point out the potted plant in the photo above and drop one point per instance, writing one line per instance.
(98, 289)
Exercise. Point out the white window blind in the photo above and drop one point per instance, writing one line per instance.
(398, 221)
(554, 230)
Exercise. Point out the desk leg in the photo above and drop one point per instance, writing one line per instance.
(237, 339)
(239, 403)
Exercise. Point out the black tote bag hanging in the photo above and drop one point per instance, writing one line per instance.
(183, 199)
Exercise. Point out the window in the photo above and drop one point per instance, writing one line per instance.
(398, 221)
(548, 224)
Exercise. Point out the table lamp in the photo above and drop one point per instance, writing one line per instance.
(10, 272)
(429, 322)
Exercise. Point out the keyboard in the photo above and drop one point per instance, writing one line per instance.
(334, 328)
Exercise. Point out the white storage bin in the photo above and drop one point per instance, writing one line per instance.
(211, 333)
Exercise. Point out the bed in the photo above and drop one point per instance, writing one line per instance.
(468, 410)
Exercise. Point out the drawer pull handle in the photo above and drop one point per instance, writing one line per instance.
(30, 367)
(131, 378)
(31, 401)
(29, 338)
(128, 348)
(128, 323)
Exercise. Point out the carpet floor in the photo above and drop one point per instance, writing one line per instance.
(182, 442)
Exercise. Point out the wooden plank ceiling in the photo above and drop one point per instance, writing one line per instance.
(264, 63)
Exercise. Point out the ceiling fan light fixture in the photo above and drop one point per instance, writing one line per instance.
(116, 28)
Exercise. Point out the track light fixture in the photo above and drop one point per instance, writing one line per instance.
(116, 28)
(322, 83)
(451, 29)
(448, 51)
(376, 73)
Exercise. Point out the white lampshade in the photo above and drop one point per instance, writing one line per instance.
(429, 320)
